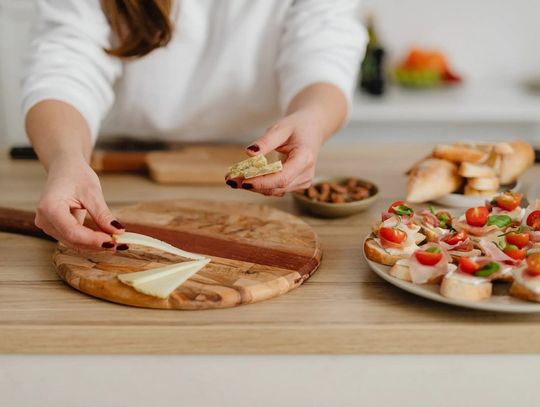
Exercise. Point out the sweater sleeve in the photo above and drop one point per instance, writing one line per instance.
(67, 61)
(322, 41)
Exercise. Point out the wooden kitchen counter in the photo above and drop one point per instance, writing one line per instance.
(343, 308)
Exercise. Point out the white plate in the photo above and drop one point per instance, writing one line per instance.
(533, 193)
(500, 301)
(465, 201)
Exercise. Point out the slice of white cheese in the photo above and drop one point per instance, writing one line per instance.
(143, 240)
(164, 286)
(140, 277)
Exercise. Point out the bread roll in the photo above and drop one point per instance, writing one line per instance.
(458, 154)
(431, 179)
(503, 148)
(515, 164)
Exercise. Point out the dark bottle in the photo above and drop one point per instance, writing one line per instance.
(372, 68)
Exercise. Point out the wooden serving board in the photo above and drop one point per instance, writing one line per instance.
(257, 253)
(205, 164)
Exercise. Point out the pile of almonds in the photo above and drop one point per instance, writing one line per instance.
(331, 192)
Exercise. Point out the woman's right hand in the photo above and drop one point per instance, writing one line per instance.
(72, 189)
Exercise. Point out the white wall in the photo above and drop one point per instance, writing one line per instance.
(15, 22)
(485, 40)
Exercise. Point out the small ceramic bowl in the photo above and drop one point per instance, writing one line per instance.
(335, 210)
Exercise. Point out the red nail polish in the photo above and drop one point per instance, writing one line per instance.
(117, 224)
(232, 183)
(247, 186)
(254, 147)
(122, 246)
(107, 245)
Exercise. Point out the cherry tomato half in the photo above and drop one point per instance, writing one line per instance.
(392, 235)
(429, 257)
(533, 220)
(468, 266)
(400, 208)
(533, 263)
(515, 252)
(477, 216)
(455, 238)
(508, 200)
(395, 204)
(518, 239)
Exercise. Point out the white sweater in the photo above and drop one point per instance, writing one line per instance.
(230, 70)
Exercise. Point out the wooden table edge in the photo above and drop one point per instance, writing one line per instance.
(367, 339)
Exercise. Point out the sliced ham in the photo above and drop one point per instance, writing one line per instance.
(464, 245)
(492, 250)
(403, 221)
(478, 231)
(428, 217)
(534, 235)
(516, 215)
(406, 220)
(504, 271)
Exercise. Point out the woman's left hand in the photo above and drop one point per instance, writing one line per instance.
(297, 137)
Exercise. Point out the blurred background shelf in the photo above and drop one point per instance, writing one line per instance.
(493, 101)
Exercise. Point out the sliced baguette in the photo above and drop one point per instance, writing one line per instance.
(402, 271)
(470, 191)
(460, 286)
(484, 183)
(470, 170)
(520, 291)
(375, 252)
(459, 153)
(431, 233)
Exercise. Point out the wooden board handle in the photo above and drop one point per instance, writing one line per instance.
(20, 222)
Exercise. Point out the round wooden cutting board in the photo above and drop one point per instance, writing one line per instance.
(257, 253)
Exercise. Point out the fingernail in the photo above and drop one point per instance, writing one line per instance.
(107, 245)
(232, 183)
(122, 246)
(247, 186)
(117, 224)
(254, 147)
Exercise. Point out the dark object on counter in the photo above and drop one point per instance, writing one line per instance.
(118, 155)
(372, 69)
(22, 153)
(120, 144)
(537, 155)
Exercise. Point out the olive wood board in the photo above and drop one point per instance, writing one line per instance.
(257, 253)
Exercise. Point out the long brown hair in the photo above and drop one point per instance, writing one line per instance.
(140, 26)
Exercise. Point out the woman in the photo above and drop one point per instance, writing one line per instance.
(191, 70)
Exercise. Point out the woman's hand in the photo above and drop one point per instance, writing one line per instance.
(72, 189)
(298, 138)
(314, 114)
